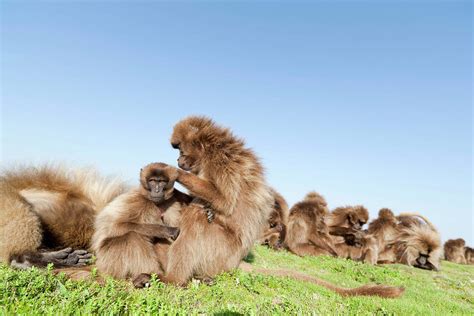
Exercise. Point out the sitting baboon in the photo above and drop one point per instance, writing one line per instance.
(47, 208)
(128, 228)
(227, 177)
(454, 250)
(308, 234)
(349, 239)
(469, 255)
(347, 222)
(276, 227)
(384, 229)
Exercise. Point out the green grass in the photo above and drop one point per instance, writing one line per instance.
(450, 291)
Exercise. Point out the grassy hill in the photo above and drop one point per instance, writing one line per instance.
(450, 291)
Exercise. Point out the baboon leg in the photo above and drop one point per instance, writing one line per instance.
(20, 227)
(308, 250)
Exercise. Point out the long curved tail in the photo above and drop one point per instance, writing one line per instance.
(366, 290)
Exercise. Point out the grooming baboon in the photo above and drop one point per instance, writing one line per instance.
(129, 229)
(350, 240)
(416, 243)
(229, 178)
(48, 208)
(347, 222)
(308, 234)
(276, 227)
(454, 250)
(469, 255)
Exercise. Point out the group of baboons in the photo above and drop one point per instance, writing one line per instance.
(50, 214)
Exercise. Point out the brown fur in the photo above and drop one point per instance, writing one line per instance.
(350, 241)
(416, 243)
(469, 255)
(229, 178)
(127, 230)
(50, 207)
(454, 250)
(308, 234)
(276, 227)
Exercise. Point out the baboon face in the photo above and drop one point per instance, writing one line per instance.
(156, 184)
(422, 253)
(357, 218)
(188, 158)
(275, 221)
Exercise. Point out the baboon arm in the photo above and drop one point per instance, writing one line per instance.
(342, 231)
(323, 243)
(182, 197)
(152, 230)
(205, 190)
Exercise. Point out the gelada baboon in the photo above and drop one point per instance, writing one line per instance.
(416, 243)
(308, 234)
(229, 178)
(276, 227)
(469, 255)
(350, 240)
(384, 229)
(128, 228)
(454, 250)
(48, 208)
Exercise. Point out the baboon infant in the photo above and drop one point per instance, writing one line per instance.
(130, 237)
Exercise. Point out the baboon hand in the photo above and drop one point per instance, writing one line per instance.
(173, 232)
(210, 215)
(172, 173)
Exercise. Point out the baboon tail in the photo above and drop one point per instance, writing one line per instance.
(366, 290)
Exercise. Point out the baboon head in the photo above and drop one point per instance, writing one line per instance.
(419, 246)
(157, 182)
(198, 138)
(350, 217)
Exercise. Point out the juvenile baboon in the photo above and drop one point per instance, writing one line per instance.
(308, 234)
(43, 209)
(228, 178)
(128, 228)
(276, 227)
(469, 255)
(454, 250)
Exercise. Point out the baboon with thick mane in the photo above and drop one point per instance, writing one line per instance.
(46, 208)
(128, 229)
(454, 250)
(225, 176)
(275, 229)
(469, 255)
(308, 234)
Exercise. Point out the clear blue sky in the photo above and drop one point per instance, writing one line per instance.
(368, 103)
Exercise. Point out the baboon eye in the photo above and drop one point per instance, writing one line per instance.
(272, 225)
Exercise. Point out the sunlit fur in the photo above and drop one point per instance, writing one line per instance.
(469, 255)
(308, 234)
(454, 250)
(50, 206)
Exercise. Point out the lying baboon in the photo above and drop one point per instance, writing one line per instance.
(128, 228)
(469, 255)
(308, 234)
(48, 208)
(417, 243)
(276, 227)
(226, 177)
(454, 250)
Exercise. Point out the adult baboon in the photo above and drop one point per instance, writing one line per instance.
(454, 250)
(308, 234)
(469, 255)
(128, 229)
(228, 178)
(43, 209)
(384, 229)
(276, 227)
